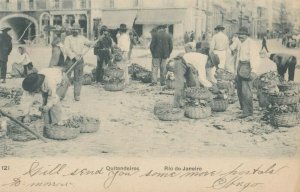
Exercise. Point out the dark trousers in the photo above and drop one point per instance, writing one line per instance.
(184, 77)
(290, 66)
(78, 75)
(102, 59)
(244, 91)
(264, 46)
(3, 69)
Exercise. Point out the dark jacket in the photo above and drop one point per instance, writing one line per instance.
(5, 46)
(104, 45)
(161, 45)
(284, 62)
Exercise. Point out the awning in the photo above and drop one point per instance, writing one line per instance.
(113, 18)
(166, 16)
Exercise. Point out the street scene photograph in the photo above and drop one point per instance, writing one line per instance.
(150, 78)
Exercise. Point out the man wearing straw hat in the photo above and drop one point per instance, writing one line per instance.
(75, 48)
(5, 49)
(248, 61)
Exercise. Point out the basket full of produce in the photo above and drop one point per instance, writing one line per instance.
(198, 93)
(284, 98)
(284, 115)
(222, 74)
(288, 86)
(267, 80)
(87, 124)
(114, 79)
(170, 80)
(14, 94)
(166, 112)
(18, 133)
(220, 102)
(87, 79)
(69, 130)
(197, 109)
(140, 73)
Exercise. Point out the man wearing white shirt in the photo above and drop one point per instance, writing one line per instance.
(124, 44)
(75, 46)
(248, 61)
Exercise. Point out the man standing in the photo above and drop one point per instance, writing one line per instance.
(103, 50)
(264, 44)
(248, 61)
(75, 47)
(219, 44)
(5, 49)
(124, 44)
(161, 48)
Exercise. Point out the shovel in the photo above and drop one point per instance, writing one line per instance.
(22, 125)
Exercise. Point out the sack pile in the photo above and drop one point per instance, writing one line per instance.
(114, 79)
(140, 73)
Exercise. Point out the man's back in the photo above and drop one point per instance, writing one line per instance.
(161, 45)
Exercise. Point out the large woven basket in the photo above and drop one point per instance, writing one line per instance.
(90, 127)
(160, 106)
(219, 105)
(285, 100)
(197, 112)
(285, 119)
(87, 79)
(170, 84)
(170, 114)
(263, 98)
(198, 93)
(287, 87)
(114, 73)
(17, 133)
(58, 132)
(3, 146)
(116, 86)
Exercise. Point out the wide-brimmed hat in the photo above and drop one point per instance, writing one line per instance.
(76, 26)
(162, 26)
(243, 31)
(104, 28)
(33, 82)
(5, 28)
(219, 27)
(123, 26)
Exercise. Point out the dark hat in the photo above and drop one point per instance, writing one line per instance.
(162, 26)
(104, 28)
(243, 31)
(5, 28)
(76, 26)
(123, 26)
(219, 27)
(32, 82)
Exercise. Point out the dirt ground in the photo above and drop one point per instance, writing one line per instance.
(130, 129)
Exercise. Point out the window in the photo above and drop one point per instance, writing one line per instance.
(82, 3)
(31, 5)
(56, 4)
(111, 3)
(19, 4)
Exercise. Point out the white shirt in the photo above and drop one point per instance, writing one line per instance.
(219, 42)
(198, 60)
(75, 46)
(23, 59)
(249, 51)
(124, 42)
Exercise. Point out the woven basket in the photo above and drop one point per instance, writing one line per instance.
(58, 132)
(224, 84)
(160, 106)
(170, 114)
(87, 79)
(287, 87)
(17, 133)
(3, 146)
(194, 94)
(90, 127)
(263, 99)
(197, 112)
(113, 73)
(114, 86)
(170, 84)
(219, 105)
(285, 100)
(285, 119)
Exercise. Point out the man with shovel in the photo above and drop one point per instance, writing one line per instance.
(75, 48)
(48, 82)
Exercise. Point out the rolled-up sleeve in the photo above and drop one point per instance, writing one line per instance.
(68, 48)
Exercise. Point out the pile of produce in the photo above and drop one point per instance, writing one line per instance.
(197, 108)
(267, 80)
(117, 55)
(170, 80)
(140, 73)
(222, 74)
(199, 93)
(226, 83)
(86, 124)
(114, 79)
(14, 94)
(284, 105)
(87, 79)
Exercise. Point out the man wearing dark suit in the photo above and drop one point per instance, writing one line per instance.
(161, 48)
(5, 49)
(284, 62)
